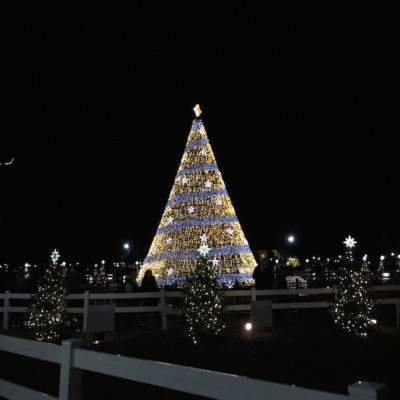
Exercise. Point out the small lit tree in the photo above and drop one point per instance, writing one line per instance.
(364, 265)
(381, 266)
(101, 279)
(203, 305)
(47, 315)
(352, 306)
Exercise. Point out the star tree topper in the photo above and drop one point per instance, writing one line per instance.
(55, 255)
(197, 110)
(349, 242)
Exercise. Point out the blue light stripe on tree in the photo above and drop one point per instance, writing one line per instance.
(203, 167)
(196, 124)
(198, 222)
(196, 143)
(195, 253)
(197, 195)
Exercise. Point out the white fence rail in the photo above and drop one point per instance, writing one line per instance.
(302, 301)
(215, 385)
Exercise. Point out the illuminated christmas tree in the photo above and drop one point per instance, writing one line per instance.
(365, 265)
(352, 306)
(47, 315)
(101, 276)
(199, 211)
(203, 300)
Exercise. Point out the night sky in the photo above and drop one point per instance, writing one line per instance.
(299, 106)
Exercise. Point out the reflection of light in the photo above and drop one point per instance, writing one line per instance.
(248, 326)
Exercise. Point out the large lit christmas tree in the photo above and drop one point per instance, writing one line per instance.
(47, 315)
(203, 300)
(352, 307)
(199, 212)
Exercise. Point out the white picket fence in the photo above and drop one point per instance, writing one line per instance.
(215, 385)
(303, 296)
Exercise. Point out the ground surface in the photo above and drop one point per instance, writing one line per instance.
(305, 349)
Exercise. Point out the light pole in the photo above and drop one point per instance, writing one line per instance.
(127, 250)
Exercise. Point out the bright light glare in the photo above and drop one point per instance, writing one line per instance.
(290, 239)
(248, 326)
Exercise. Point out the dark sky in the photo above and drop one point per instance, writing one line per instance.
(299, 105)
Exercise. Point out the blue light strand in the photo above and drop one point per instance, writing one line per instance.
(183, 254)
(196, 123)
(196, 143)
(196, 196)
(202, 167)
(198, 222)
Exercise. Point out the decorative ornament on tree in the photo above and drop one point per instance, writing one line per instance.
(204, 250)
(203, 238)
(47, 316)
(352, 306)
(198, 205)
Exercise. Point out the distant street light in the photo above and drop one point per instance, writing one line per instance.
(290, 239)
(126, 246)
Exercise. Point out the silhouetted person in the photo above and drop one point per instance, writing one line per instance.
(264, 277)
(149, 285)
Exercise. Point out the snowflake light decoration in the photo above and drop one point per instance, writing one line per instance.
(204, 250)
(349, 242)
(55, 255)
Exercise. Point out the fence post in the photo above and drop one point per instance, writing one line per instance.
(253, 294)
(5, 309)
(85, 310)
(363, 390)
(163, 310)
(70, 377)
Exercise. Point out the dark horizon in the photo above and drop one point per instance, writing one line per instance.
(98, 105)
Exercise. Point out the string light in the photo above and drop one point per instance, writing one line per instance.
(199, 207)
(352, 307)
(47, 315)
(203, 304)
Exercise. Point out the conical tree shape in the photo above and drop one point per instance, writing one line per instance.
(198, 212)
